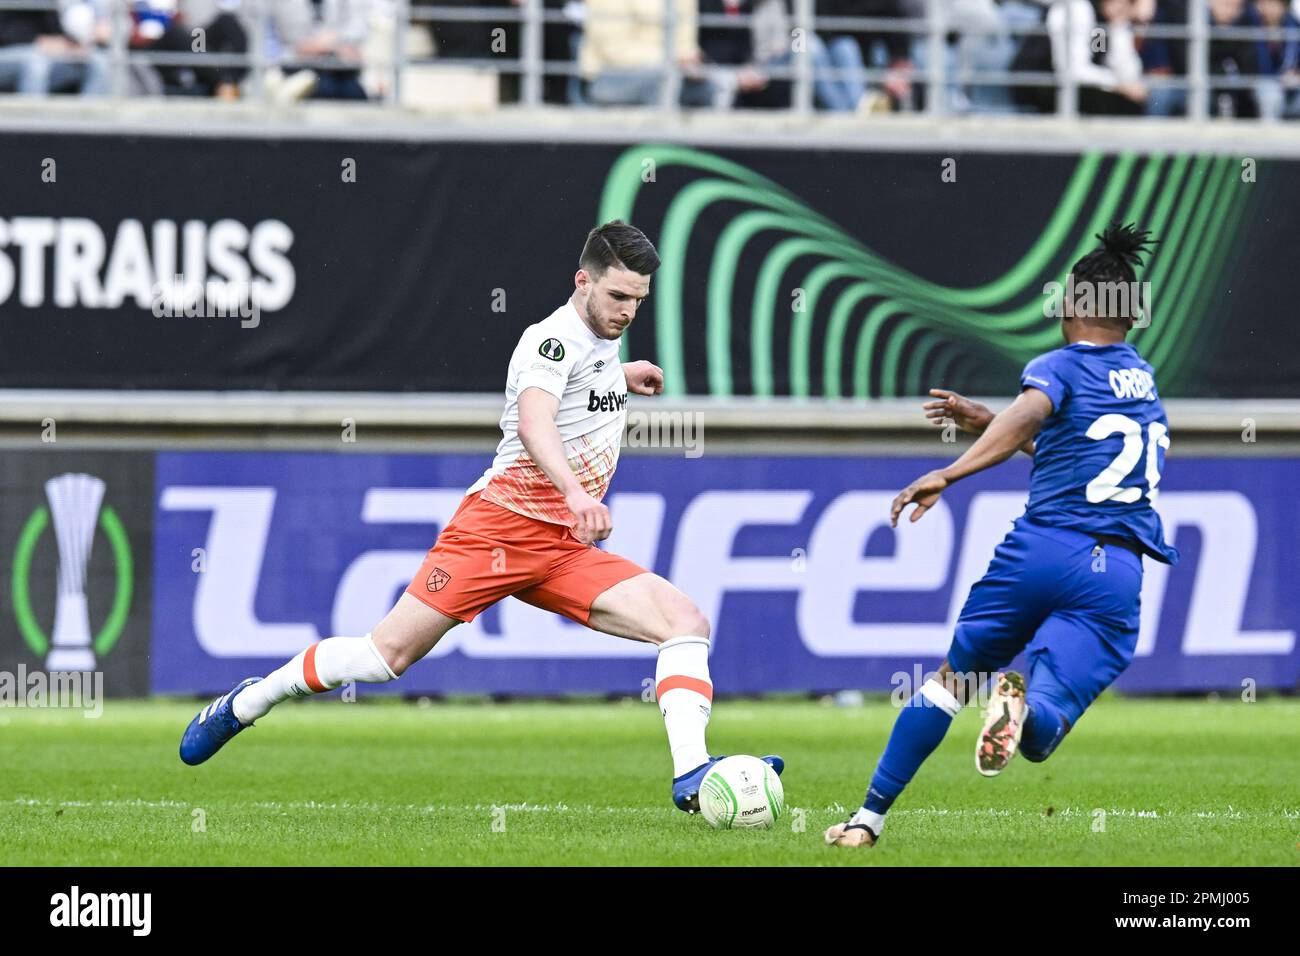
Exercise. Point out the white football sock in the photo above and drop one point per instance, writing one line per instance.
(321, 667)
(868, 818)
(685, 696)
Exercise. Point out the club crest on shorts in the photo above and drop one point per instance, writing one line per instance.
(438, 579)
(552, 349)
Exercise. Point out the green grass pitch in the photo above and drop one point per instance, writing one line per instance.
(386, 782)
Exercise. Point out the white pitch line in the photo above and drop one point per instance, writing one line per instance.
(1228, 813)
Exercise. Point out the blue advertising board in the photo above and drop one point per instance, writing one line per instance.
(257, 555)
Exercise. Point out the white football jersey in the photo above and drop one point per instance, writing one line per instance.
(560, 355)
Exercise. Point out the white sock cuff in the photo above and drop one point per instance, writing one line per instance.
(370, 643)
(679, 641)
(868, 818)
(940, 696)
(684, 661)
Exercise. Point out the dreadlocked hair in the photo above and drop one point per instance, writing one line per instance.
(1122, 248)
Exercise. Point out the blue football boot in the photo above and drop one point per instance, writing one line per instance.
(212, 727)
(686, 788)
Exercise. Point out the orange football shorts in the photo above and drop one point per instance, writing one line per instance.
(487, 552)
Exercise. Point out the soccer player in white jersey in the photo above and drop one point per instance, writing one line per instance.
(539, 507)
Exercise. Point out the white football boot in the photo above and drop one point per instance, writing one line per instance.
(1004, 721)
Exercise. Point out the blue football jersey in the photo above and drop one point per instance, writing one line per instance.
(1100, 454)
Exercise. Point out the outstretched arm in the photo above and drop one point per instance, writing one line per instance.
(1008, 431)
(968, 415)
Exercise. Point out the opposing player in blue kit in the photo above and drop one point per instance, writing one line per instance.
(1065, 582)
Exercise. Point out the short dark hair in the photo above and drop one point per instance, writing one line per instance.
(617, 243)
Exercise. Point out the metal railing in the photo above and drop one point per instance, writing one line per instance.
(936, 74)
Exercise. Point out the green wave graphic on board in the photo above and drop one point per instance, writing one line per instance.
(894, 332)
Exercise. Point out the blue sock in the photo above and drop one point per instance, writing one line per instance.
(920, 727)
(1044, 728)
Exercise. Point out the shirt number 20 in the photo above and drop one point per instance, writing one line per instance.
(1106, 486)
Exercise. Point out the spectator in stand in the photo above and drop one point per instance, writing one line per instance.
(221, 32)
(850, 51)
(575, 15)
(501, 39)
(1166, 57)
(842, 88)
(1227, 57)
(1233, 58)
(748, 54)
(463, 39)
(971, 43)
(44, 52)
(476, 40)
(1109, 78)
(623, 48)
(997, 53)
(560, 44)
(1279, 62)
(317, 30)
(767, 47)
(1108, 74)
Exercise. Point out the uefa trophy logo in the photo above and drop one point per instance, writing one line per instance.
(74, 510)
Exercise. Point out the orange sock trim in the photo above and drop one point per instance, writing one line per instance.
(309, 671)
(702, 687)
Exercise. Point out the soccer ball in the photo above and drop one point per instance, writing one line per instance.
(741, 792)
